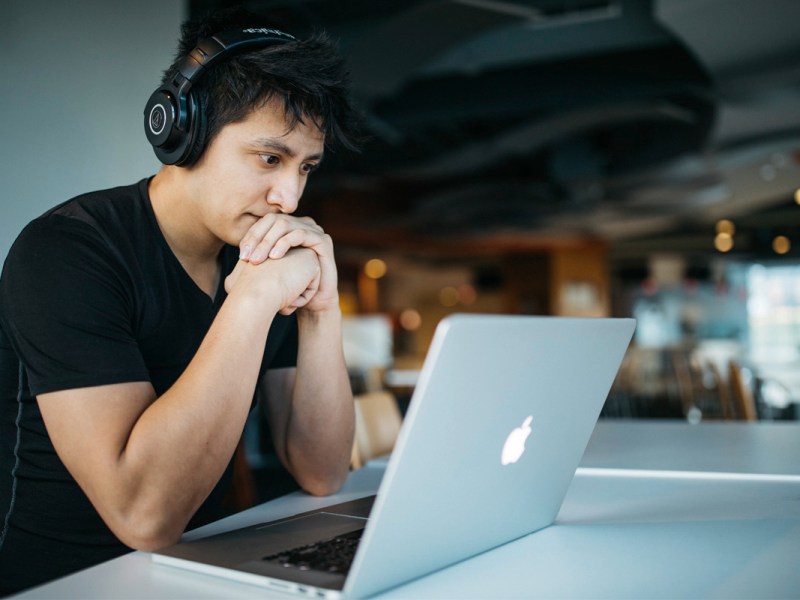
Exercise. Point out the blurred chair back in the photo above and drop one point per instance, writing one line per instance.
(378, 422)
(741, 393)
(703, 392)
(723, 390)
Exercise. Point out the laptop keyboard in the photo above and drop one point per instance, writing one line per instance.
(334, 555)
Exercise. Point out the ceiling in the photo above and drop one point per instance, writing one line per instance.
(519, 124)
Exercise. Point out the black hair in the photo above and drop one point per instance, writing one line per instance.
(309, 77)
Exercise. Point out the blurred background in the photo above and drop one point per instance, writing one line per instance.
(551, 157)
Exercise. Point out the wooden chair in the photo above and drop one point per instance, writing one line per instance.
(702, 388)
(741, 393)
(684, 380)
(242, 493)
(723, 390)
(378, 422)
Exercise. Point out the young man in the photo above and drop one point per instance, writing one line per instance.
(139, 324)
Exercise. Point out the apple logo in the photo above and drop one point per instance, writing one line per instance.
(515, 443)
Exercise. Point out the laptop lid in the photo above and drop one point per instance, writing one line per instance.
(498, 422)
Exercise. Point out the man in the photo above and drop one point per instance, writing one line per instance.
(139, 324)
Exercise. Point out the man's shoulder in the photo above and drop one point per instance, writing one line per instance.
(102, 215)
(121, 202)
(99, 219)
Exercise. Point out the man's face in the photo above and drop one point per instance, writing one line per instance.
(251, 168)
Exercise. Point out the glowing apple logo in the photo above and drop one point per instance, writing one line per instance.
(515, 443)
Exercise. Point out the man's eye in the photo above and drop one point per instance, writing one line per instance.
(270, 159)
(309, 167)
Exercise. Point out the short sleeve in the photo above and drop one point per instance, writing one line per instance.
(68, 308)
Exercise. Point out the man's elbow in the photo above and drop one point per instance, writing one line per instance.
(147, 533)
(317, 489)
(324, 486)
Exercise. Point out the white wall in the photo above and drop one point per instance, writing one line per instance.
(75, 75)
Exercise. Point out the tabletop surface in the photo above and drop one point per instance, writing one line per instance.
(761, 447)
(625, 529)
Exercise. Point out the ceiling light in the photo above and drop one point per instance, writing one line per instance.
(723, 242)
(467, 293)
(726, 226)
(781, 244)
(797, 195)
(410, 319)
(375, 268)
(448, 296)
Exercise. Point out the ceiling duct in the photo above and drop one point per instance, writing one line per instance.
(507, 94)
(620, 84)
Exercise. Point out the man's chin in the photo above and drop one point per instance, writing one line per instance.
(242, 227)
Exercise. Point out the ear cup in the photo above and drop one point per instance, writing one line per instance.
(172, 141)
(196, 135)
(160, 114)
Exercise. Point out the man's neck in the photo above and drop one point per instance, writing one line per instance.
(194, 247)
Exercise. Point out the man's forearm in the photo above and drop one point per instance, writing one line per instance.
(185, 439)
(321, 423)
(181, 444)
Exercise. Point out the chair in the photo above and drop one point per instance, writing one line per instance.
(741, 393)
(378, 422)
(704, 393)
(683, 377)
(242, 493)
(723, 390)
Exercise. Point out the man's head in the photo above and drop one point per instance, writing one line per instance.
(305, 77)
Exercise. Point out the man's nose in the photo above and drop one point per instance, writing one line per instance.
(284, 193)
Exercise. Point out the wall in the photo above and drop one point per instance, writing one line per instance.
(75, 77)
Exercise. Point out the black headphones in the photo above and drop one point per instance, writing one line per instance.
(173, 117)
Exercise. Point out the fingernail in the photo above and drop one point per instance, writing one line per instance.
(274, 253)
(245, 253)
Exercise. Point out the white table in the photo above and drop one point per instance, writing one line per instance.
(762, 447)
(678, 529)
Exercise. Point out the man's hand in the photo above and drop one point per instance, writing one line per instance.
(311, 406)
(272, 236)
(294, 279)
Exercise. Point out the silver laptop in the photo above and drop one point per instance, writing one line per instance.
(498, 422)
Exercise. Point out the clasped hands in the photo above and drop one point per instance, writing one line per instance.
(297, 252)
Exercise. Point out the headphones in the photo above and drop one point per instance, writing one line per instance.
(174, 120)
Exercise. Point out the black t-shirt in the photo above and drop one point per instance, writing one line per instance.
(90, 295)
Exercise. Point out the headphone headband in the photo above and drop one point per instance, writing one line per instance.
(227, 43)
(172, 118)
